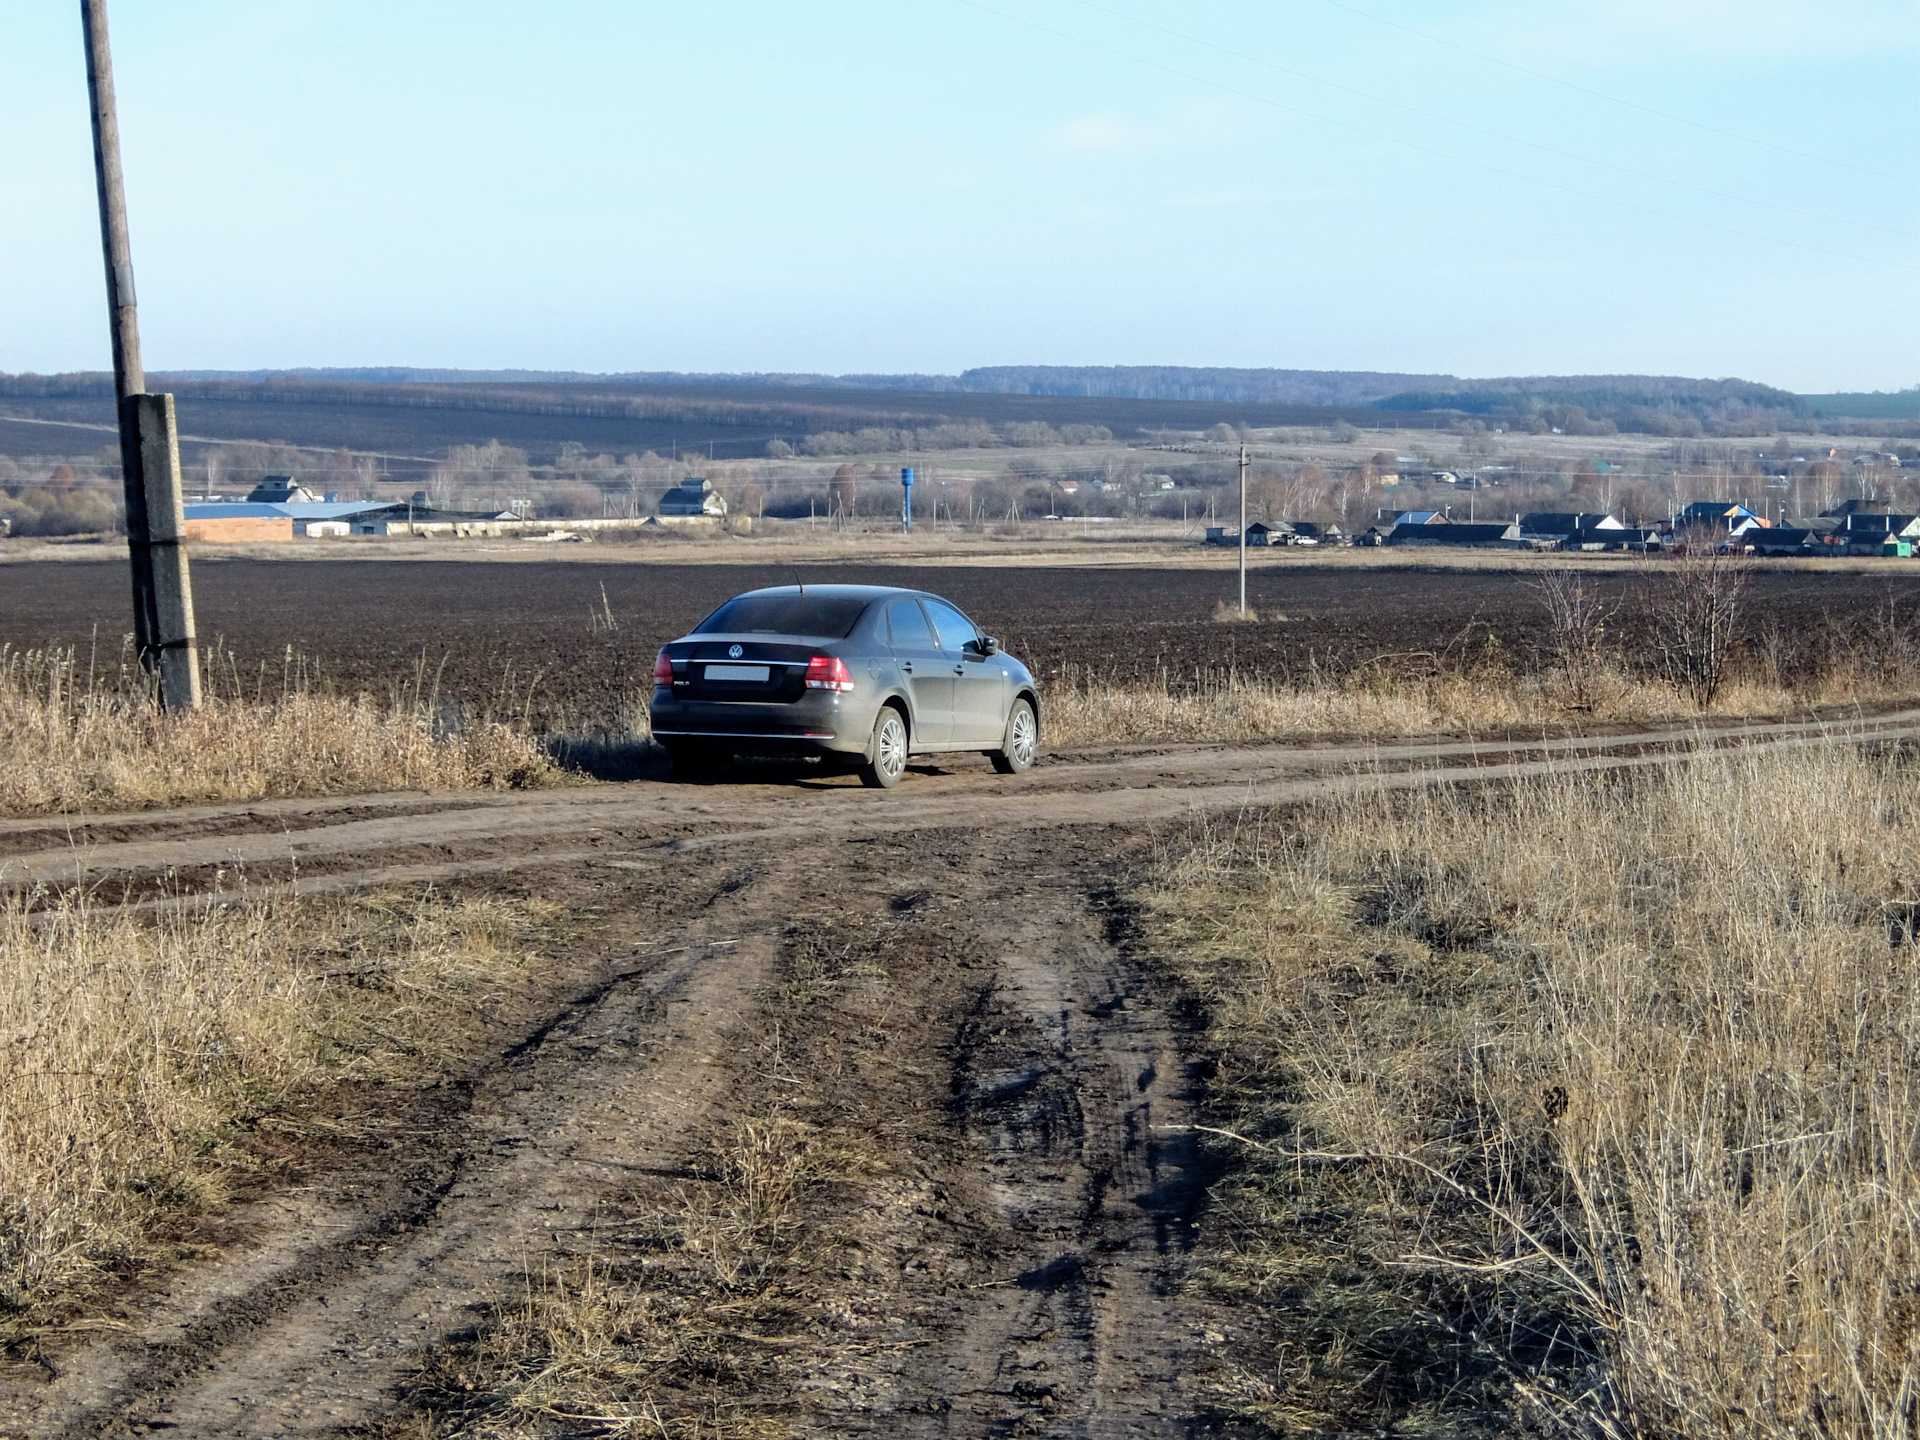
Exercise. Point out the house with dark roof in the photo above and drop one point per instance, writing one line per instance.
(1865, 533)
(280, 490)
(1258, 533)
(1311, 532)
(1556, 525)
(1783, 540)
(1854, 507)
(692, 497)
(1614, 537)
(1712, 514)
(1822, 527)
(1497, 536)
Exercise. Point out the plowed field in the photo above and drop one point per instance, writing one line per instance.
(523, 634)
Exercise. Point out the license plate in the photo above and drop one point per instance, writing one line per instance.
(748, 673)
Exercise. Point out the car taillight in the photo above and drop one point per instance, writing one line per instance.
(828, 672)
(662, 669)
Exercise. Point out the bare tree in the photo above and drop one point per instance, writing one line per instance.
(1576, 616)
(843, 491)
(1696, 611)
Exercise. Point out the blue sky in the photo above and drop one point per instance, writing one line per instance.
(855, 186)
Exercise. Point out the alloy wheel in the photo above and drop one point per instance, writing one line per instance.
(890, 747)
(1025, 737)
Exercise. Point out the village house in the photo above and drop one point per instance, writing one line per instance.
(1614, 537)
(692, 498)
(1717, 517)
(1279, 533)
(280, 490)
(1310, 532)
(1781, 540)
(1495, 536)
(1554, 526)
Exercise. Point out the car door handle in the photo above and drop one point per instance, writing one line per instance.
(906, 667)
(959, 669)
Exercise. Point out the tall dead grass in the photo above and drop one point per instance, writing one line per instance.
(1593, 1099)
(84, 736)
(129, 1051)
(1082, 710)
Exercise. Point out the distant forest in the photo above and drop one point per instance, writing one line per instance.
(800, 403)
(1652, 404)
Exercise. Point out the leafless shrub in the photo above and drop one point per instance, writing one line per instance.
(1576, 615)
(1696, 608)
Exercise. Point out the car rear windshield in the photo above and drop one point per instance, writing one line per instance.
(824, 615)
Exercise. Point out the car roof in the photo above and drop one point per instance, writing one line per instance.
(838, 592)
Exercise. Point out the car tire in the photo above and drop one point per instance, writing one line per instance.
(1021, 744)
(695, 762)
(886, 758)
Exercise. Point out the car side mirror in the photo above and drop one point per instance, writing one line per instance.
(985, 645)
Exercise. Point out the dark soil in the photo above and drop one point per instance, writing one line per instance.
(507, 636)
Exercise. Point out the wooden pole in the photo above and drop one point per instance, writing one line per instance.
(177, 658)
(162, 623)
(1243, 530)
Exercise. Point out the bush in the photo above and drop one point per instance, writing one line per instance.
(78, 511)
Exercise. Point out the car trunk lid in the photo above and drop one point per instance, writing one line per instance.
(728, 667)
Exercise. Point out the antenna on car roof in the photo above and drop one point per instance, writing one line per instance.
(798, 583)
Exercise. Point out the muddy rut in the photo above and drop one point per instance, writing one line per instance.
(1025, 1263)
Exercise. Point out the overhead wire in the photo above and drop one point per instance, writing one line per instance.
(1414, 145)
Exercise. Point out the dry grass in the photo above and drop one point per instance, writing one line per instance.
(96, 739)
(130, 1051)
(1229, 614)
(1382, 701)
(694, 1312)
(1591, 1101)
(651, 1348)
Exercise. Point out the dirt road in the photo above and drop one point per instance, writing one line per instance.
(938, 976)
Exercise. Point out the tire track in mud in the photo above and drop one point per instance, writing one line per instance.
(1074, 1086)
(1067, 1308)
(314, 1327)
(275, 844)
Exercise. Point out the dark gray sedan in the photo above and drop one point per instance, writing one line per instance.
(861, 673)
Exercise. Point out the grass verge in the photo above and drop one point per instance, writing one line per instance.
(97, 740)
(137, 1057)
(1590, 1104)
(1422, 700)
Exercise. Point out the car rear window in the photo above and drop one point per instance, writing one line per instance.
(824, 615)
(907, 627)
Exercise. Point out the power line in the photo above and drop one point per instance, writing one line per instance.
(1483, 129)
(1502, 171)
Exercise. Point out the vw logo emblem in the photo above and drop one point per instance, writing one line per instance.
(734, 652)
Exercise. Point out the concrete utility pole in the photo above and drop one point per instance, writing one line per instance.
(149, 437)
(1243, 530)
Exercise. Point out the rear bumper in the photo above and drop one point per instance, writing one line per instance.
(819, 721)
